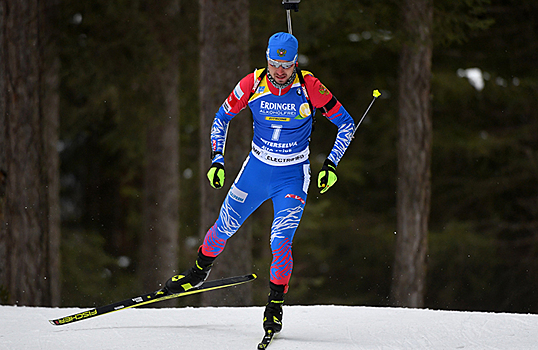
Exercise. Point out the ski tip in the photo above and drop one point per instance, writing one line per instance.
(254, 276)
(55, 322)
(267, 339)
(376, 93)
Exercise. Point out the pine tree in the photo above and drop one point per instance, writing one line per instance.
(224, 60)
(29, 202)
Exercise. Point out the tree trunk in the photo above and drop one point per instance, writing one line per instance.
(29, 188)
(224, 60)
(159, 244)
(414, 156)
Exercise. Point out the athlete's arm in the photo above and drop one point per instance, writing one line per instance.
(235, 103)
(332, 109)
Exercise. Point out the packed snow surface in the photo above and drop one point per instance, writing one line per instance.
(305, 327)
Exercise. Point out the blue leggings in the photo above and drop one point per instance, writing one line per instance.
(287, 187)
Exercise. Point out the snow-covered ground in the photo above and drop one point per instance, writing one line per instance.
(305, 327)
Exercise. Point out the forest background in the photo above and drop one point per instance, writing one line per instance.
(483, 224)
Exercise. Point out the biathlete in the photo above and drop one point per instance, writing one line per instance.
(283, 100)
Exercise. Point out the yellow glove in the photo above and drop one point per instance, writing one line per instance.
(327, 176)
(216, 175)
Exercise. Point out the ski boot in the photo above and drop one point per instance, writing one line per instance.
(194, 277)
(272, 317)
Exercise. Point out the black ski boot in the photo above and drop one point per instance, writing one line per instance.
(193, 277)
(272, 317)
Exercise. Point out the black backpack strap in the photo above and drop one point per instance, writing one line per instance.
(257, 83)
(303, 86)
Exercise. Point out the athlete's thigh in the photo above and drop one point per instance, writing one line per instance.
(246, 194)
(289, 200)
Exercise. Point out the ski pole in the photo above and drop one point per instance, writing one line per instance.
(290, 5)
(376, 94)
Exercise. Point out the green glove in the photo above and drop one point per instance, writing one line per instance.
(216, 175)
(327, 176)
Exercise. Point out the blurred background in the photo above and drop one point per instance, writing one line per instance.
(123, 65)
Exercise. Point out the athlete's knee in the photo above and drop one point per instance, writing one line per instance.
(281, 246)
(286, 221)
(213, 242)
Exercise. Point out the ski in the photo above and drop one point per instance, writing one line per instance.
(267, 339)
(150, 298)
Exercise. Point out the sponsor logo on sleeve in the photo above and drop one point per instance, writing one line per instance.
(226, 106)
(232, 100)
(238, 92)
(323, 90)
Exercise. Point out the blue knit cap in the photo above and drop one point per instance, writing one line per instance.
(282, 46)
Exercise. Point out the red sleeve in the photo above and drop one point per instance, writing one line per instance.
(318, 93)
(238, 98)
(320, 96)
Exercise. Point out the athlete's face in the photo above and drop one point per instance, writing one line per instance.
(280, 74)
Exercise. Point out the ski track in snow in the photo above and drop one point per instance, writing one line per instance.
(305, 327)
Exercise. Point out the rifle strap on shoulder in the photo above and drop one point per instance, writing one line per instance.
(303, 86)
(257, 82)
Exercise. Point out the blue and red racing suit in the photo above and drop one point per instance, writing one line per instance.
(277, 167)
